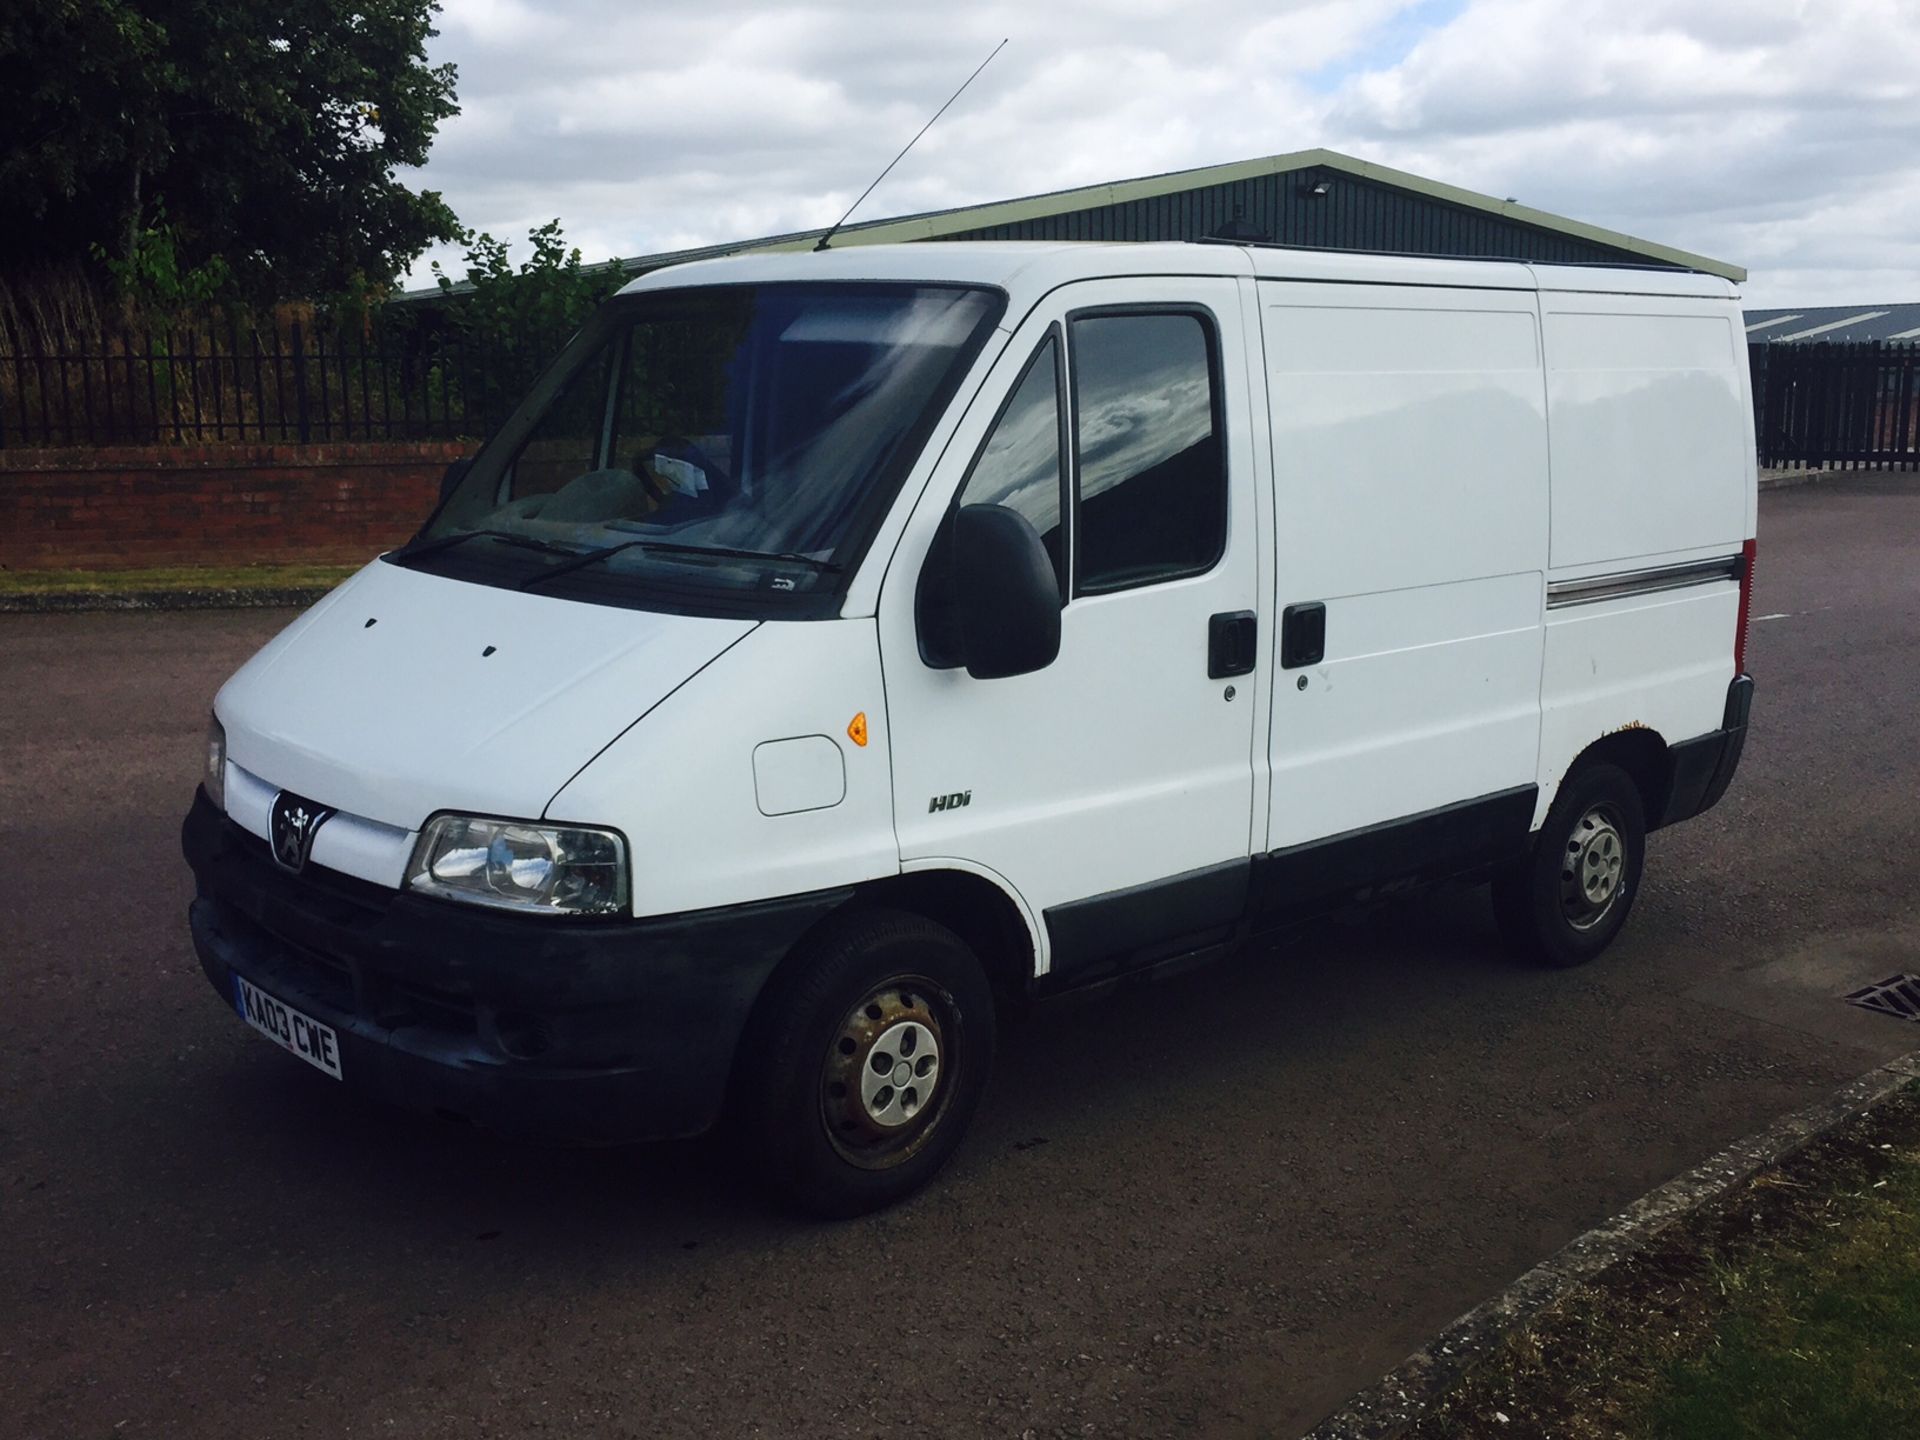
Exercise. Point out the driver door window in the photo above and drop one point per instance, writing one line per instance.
(1148, 499)
(1150, 475)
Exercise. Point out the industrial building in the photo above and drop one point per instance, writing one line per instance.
(1307, 197)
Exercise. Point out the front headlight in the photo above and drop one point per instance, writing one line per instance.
(521, 865)
(213, 776)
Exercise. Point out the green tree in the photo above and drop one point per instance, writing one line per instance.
(518, 318)
(263, 136)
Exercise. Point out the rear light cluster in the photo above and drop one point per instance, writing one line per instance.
(1747, 553)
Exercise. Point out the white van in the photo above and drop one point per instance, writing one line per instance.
(835, 645)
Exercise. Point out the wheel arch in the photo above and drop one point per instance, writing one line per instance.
(975, 906)
(1642, 753)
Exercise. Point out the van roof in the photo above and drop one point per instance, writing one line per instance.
(1028, 269)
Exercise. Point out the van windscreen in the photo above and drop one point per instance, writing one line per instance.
(730, 448)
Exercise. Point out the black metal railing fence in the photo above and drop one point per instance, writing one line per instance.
(1815, 404)
(1846, 405)
(292, 382)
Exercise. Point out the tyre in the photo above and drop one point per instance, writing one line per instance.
(1564, 904)
(870, 1054)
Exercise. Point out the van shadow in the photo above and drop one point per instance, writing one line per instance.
(351, 1176)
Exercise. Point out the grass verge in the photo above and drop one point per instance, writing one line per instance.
(1791, 1308)
(127, 582)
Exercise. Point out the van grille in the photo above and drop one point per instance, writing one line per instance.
(363, 894)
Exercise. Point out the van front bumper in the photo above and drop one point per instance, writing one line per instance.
(566, 1031)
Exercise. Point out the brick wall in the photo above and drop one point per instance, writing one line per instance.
(137, 506)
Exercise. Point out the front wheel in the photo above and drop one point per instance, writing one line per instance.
(1564, 904)
(876, 1043)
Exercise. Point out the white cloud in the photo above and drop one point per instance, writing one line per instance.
(493, 22)
(1775, 133)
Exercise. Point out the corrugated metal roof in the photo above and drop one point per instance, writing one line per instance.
(1310, 197)
(1899, 322)
(1316, 207)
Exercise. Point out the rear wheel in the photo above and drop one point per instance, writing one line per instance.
(1564, 904)
(874, 1051)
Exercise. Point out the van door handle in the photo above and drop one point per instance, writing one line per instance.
(1232, 643)
(1303, 634)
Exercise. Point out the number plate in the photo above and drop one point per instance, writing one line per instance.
(293, 1032)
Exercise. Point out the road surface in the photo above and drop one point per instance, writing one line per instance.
(1214, 1206)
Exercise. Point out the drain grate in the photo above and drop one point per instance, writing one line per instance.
(1898, 997)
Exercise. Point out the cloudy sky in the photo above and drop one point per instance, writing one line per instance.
(1780, 134)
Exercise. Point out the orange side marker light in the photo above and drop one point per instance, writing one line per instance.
(857, 730)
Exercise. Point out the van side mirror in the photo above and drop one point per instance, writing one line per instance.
(455, 473)
(1005, 592)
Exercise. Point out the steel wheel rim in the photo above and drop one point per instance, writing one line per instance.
(888, 1071)
(1593, 868)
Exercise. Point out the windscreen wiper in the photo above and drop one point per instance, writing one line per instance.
(669, 547)
(505, 537)
(581, 559)
(825, 567)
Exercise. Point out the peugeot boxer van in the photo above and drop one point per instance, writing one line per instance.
(835, 647)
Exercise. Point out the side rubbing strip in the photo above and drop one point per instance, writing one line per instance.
(1590, 588)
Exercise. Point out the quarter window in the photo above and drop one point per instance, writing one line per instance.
(1019, 466)
(1151, 497)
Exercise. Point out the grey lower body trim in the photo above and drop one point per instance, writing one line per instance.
(1592, 588)
(1104, 935)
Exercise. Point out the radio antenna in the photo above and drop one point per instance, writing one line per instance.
(833, 228)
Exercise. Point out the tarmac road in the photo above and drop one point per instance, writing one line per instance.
(1213, 1206)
